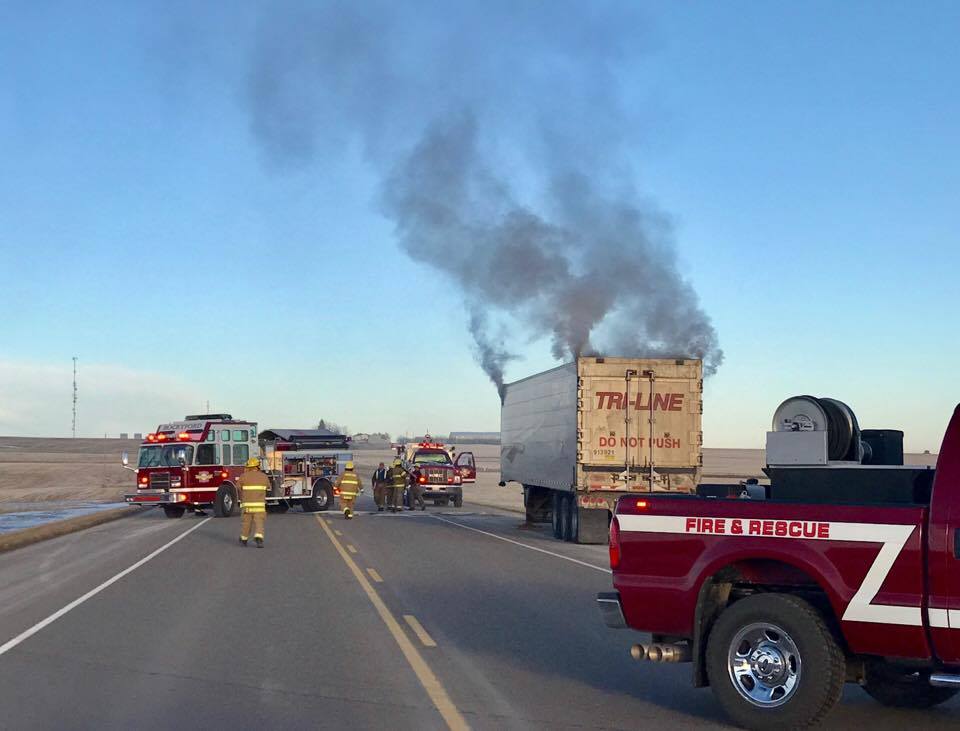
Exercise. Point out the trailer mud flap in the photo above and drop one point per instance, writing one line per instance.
(594, 525)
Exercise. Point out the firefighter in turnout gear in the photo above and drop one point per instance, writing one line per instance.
(348, 486)
(398, 481)
(253, 486)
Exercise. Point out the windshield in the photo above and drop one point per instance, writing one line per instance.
(431, 458)
(165, 455)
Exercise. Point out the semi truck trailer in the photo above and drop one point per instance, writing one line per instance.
(579, 436)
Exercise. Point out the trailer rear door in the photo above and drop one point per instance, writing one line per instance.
(640, 413)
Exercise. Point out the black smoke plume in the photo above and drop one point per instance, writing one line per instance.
(452, 104)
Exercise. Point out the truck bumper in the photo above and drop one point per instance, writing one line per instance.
(611, 612)
(156, 497)
(441, 491)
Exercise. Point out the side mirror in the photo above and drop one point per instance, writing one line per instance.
(125, 458)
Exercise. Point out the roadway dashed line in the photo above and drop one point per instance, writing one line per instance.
(438, 694)
(419, 631)
(375, 576)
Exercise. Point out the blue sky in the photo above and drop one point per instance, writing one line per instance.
(808, 154)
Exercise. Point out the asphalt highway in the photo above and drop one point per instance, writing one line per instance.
(429, 620)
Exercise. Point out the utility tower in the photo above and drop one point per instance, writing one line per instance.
(74, 397)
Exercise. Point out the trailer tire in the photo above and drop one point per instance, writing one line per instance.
(903, 688)
(225, 503)
(573, 520)
(556, 514)
(174, 511)
(784, 640)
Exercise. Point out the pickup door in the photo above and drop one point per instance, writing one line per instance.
(944, 559)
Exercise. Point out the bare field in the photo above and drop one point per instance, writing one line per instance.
(36, 470)
(43, 470)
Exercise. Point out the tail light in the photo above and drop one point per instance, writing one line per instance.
(614, 544)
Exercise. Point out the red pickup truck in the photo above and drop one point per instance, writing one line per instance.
(778, 601)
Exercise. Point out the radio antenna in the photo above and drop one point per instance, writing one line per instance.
(74, 397)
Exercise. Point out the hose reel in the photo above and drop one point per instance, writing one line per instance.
(813, 414)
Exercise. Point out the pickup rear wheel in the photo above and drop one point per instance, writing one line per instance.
(903, 688)
(773, 662)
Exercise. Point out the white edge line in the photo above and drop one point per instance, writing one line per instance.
(525, 545)
(26, 634)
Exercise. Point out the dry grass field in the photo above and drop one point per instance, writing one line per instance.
(64, 470)
(57, 470)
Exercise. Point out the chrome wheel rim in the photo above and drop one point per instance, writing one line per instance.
(227, 502)
(764, 665)
(321, 497)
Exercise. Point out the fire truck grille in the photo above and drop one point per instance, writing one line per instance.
(160, 480)
(437, 476)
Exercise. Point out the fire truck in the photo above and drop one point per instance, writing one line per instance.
(439, 472)
(194, 464)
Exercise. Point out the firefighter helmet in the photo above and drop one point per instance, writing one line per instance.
(253, 462)
(349, 465)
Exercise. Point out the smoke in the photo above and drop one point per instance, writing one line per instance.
(490, 354)
(502, 148)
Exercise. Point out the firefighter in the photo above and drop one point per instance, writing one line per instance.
(398, 481)
(416, 491)
(253, 486)
(348, 485)
(380, 487)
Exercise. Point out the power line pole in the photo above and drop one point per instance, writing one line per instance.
(74, 397)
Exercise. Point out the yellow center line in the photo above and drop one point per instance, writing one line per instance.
(438, 694)
(351, 548)
(375, 576)
(419, 631)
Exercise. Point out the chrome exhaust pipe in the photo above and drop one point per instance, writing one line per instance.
(661, 653)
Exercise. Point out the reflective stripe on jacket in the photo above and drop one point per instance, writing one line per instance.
(398, 476)
(349, 484)
(253, 486)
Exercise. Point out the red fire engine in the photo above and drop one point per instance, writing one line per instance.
(194, 464)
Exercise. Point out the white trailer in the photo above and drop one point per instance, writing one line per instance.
(580, 435)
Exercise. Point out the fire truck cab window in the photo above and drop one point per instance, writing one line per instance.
(212, 435)
(424, 456)
(239, 435)
(164, 456)
(241, 453)
(225, 435)
(207, 454)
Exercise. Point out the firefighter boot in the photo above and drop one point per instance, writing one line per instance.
(259, 541)
(243, 541)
